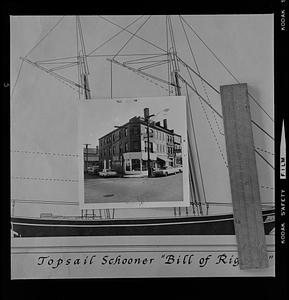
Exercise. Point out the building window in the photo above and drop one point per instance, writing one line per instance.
(136, 146)
(126, 147)
(151, 147)
(135, 130)
(125, 132)
(144, 165)
(113, 150)
(135, 163)
(127, 165)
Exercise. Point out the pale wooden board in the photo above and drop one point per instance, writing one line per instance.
(245, 192)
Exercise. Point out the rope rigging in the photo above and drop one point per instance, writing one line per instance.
(226, 68)
(197, 151)
(82, 88)
(133, 35)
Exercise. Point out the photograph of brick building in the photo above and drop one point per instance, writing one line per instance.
(128, 148)
(142, 158)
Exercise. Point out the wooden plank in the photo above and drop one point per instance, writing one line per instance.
(245, 192)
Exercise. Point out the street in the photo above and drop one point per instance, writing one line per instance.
(156, 189)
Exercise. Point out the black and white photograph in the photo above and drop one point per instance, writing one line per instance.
(151, 135)
(134, 153)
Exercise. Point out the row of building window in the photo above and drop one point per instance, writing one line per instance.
(160, 135)
(161, 148)
(113, 149)
(113, 137)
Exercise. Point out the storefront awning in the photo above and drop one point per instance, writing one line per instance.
(164, 158)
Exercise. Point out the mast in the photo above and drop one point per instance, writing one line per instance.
(83, 70)
(175, 68)
(192, 149)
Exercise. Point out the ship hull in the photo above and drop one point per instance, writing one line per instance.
(205, 225)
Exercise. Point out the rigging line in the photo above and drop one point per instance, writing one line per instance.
(198, 70)
(111, 79)
(78, 61)
(264, 159)
(137, 36)
(144, 62)
(210, 125)
(152, 65)
(45, 36)
(263, 150)
(56, 63)
(196, 73)
(96, 55)
(197, 151)
(194, 176)
(51, 72)
(201, 97)
(194, 188)
(225, 67)
(82, 45)
(176, 63)
(132, 36)
(105, 42)
(18, 75)
(256, 124)
(140, 72)
(168, 58)
(142, 59)
(219, 115)
(64, 67)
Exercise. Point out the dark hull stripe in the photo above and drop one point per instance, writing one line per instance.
(218, 225)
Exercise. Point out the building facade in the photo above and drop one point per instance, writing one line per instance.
(128, 148)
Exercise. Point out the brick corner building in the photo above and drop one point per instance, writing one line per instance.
(125, 149)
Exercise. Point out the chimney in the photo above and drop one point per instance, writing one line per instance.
(146, 112)
(165, 122)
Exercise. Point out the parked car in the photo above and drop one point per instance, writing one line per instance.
(93, 169)
(165, 171)
(180, 169)
(108, 173)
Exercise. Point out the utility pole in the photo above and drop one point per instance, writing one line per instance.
(122, 158)
(86, 157)
(147, 119)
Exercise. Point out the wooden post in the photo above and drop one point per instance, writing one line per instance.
(249, 227)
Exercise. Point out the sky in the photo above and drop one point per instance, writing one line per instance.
(44, 111)
(98, 118)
